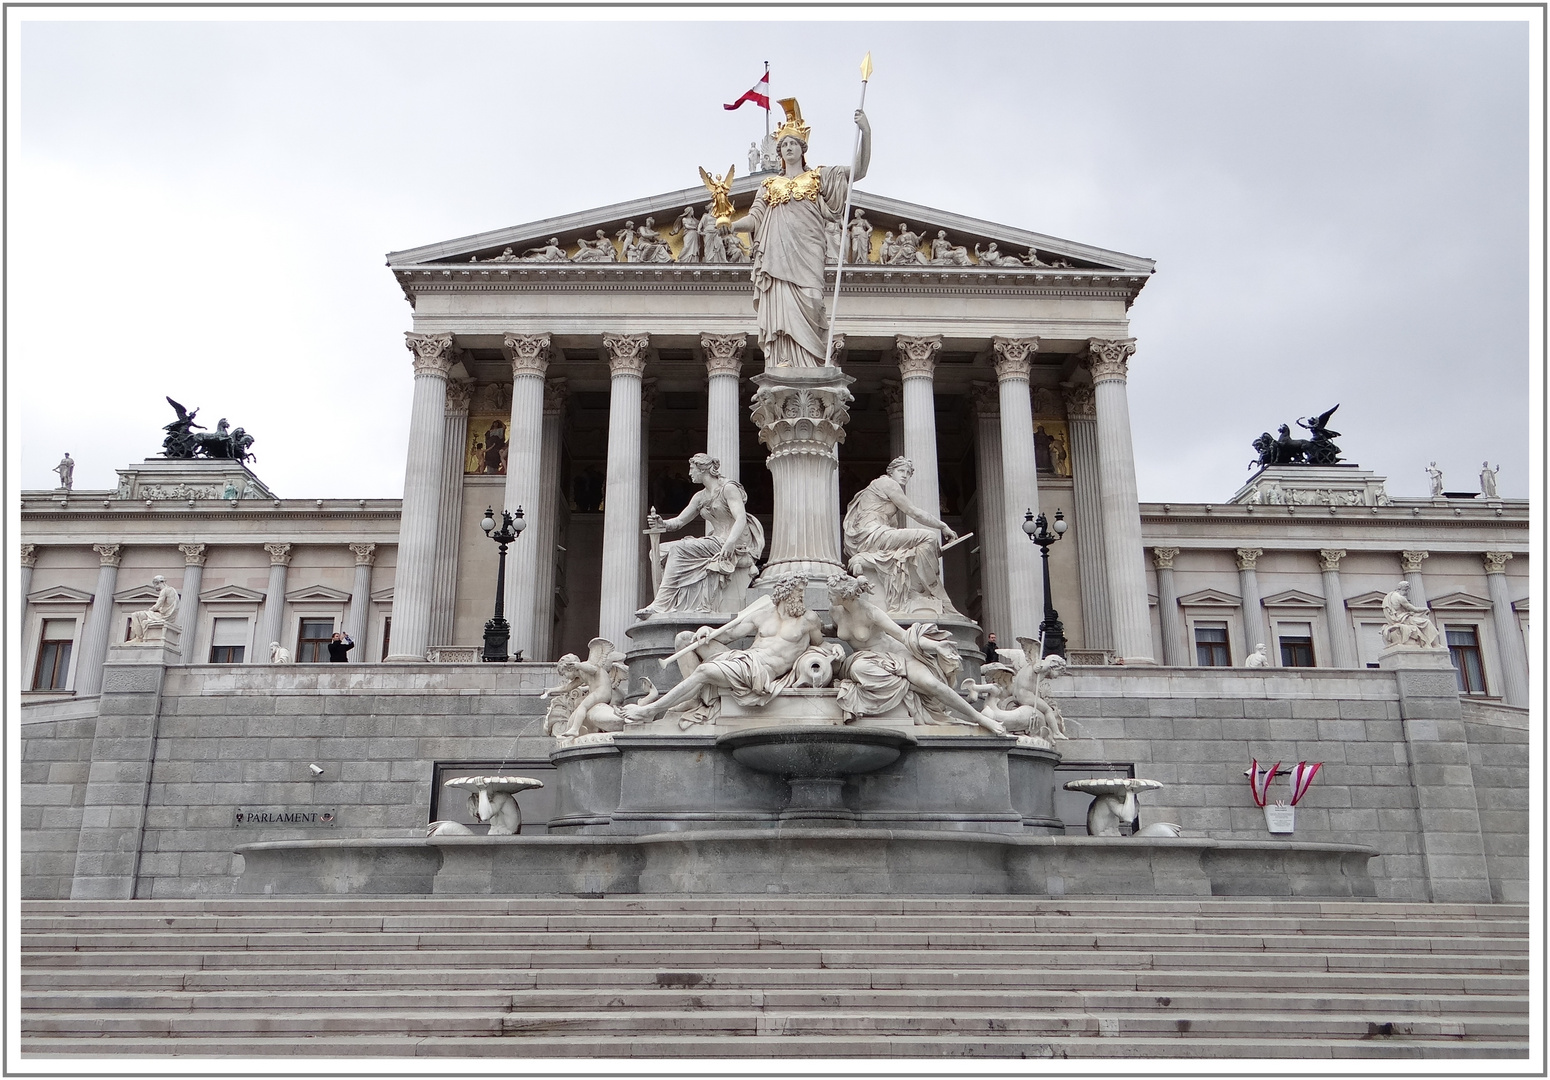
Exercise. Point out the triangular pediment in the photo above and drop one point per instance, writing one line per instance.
(1460, 601)
(1520, 605)
(1209, 598)
(146, 594)
(231, 594)
(382, 596)
(1293, 598)
(317, 593)
(1373, 599)
(60, 594)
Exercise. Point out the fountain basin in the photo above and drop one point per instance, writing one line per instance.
(815, 762)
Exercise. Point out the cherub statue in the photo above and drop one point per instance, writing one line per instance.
(601, 678)
(1030, 676)
(720, 189)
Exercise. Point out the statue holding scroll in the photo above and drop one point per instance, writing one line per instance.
(900, 563)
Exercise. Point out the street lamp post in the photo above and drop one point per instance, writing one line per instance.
(1040, 533)
(497, 632)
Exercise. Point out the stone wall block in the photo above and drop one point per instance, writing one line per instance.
(1229, 708)
(1171, 706)
(1315, 709)
(1363, 709)
(1266, 708)
(1125, 706)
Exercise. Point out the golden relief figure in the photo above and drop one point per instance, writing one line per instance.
(720, 191)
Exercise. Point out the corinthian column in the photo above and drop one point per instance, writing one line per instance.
(917, 366)
(1174, 639)
(360, 600)
(801, 415)
(1109, 361)
(414, 581)
(546, 518)
(1025, 584)
(1509, 639)
(1253, 611)
(29, 560)
(623, 514)
(99, 623)
(449, 529)
(723, 366)
(1342, 638)
(193, 579)
(893, 404)
(529, 356)
(648, 401)
(271, 621)
(1088, 512)
(995, 611)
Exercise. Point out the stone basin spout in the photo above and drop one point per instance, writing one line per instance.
(815, 761)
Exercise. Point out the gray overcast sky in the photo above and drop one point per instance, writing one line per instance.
(1339, 210)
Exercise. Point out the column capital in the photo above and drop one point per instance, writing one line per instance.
(626, 353)
(1496, 561)
(365, 554)
(528, 353)
(1109, 360)
(432, 353)
(29, 554)
(723, 353)
(460, 394)
(193, 554)
(1248, 557)
(1162, 557)
(111, 554)
(1080, 402)
(987, 400)
(1014, 356)
(917, 355)
(893, 399)
(556, 394)
(648, 396)
(1410, 561)
(279, 554)
(1329, 558)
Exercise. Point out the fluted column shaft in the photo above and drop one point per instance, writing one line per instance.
(648, 401)
(1253, 611)
(271, 621)
(917, 366)
(1175, 636)
(99, 623)
(449, 528)
(996, 611)
(1020, 484)
(622, 508)
(414, 580)
(29, 560)
(1088, 514)
(723, 368)
(188, 606)
(1123, 557)
(1342, 637)
(529, 356)
(1410, 563)
(1509, 639)
(893, 405)
(546, 518)
(360, 598)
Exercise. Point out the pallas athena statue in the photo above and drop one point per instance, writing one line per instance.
(788, 220)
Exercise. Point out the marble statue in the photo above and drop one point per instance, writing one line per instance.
(944, 253)
(1019, 688)
(891, 665)
(885, 252)
(158, 615)
(66, 471)
(755, 158)
(736, 252)
(600, 249)
(1257, 658)
(991, 257)
(549, 252)
(650, 245)
(588, 698)
(1114, 805)
(490, 799)
(688, 226)
(783, 629)
(1406, 625)
(901, 563)
(250, 490)
(279, 654)
(1487, 478)
(787, 221)
(860, 231)
(710, 572)
(713, 248)
(1032, 258)
(1434, 474)
(833, 240)
(906, 246)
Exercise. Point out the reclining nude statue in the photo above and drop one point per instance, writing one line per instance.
(783, 630)
(710, 572)
(901, 564)
(891, 665)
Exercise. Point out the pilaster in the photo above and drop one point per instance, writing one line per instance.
(892, 395)
(194, 556)
(1175, 638)
(1509, 640)
(29, 559)
(1410, 564)
(1342, 637)
(360, 600)
(271, 624)
(1254, 631)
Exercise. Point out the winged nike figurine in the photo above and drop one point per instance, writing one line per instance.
(719, 189)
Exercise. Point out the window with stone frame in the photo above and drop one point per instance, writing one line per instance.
(1296, 640)
(53, 666)
(1211, 648)
(312, 640)
(1464, 648)
(228, 641)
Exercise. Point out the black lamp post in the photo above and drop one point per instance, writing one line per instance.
(1039, 532)
(497, 632)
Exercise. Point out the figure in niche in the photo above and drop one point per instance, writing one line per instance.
(158, 614)
(713, 248)
(687, 226)
(1407, 625)
(787, 220)
(1041, 455)
(891, 665)
(599, 250)
(755, 159)
(860, 240)
(710, 572)
(1059, 457)
(946, 253)
(494, 449)
(991, 257)
(900, 563)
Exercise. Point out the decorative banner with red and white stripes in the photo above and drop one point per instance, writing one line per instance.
(1259, 781)
(1302, 777)
(759, 95)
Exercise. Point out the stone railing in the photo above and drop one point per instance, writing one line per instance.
(453, 654)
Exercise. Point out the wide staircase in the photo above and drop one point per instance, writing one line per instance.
(775, 977)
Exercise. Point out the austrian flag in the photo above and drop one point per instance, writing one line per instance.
(759, 95)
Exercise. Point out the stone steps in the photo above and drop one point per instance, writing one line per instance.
(674, 977)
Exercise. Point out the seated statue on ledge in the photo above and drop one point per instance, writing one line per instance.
(710, 572)
(1405, 624)
(158, 615)
(901, 564)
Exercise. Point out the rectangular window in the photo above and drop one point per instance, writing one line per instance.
(1464, 646)
(387, 635)
(54, 654)
(228, 641)
(312, 641)
(1296, 644)
(1211, 645)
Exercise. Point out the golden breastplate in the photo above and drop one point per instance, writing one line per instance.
(779, 189)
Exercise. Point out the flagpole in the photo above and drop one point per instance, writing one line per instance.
(766, 102)
(839, 267)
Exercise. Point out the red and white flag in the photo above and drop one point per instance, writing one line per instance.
(759, 95)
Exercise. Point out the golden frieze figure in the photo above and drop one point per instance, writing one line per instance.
(720, 188)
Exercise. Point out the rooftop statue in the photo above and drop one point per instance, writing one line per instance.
(788, 220)
(1318, 449)
(224, 443)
